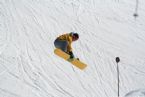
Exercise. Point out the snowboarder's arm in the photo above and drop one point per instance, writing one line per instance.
(70, 51)
(69, 48)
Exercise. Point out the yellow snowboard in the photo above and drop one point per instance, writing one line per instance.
(65, 56)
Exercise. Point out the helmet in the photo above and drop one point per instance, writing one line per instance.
(76, 35)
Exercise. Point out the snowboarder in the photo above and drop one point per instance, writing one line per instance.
(64, 41)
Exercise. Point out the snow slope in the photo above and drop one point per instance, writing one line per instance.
(107, 29)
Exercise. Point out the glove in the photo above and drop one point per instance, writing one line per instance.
(77, 58)
(71, 54)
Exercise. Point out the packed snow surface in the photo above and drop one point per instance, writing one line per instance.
(107, 29)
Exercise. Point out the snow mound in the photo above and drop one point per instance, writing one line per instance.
(136, 93)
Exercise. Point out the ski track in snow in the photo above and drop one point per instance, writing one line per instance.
(29, 68)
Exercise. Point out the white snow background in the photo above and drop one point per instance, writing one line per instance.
(107, 29)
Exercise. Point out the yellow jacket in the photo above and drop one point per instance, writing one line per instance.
(68, 38)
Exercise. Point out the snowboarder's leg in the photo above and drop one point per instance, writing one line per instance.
(61, 44)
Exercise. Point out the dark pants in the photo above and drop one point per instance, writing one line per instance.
(61, 44)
